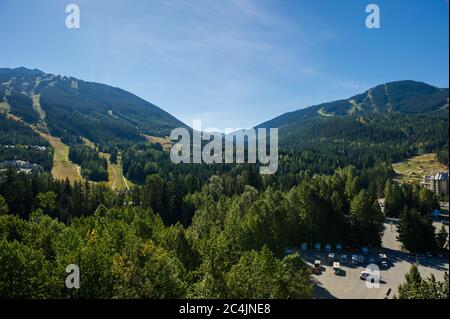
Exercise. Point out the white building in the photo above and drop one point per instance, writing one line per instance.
(437, 183)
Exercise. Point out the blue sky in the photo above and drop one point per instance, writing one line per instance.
(231, 63)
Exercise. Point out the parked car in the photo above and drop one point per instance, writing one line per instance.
(383, 260)
(336, 267)
(365, 274)
(365, 250)
(330, 257)
(317, 266)
(328, 248)
(343, 259)
(354, 259)
(429, 255)
(371, 260)
(360, 259)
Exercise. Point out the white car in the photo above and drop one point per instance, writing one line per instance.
(336, 267)
(365, 274)
(354, 259)
(383, 260)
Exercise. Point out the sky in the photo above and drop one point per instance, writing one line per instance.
(231, 63)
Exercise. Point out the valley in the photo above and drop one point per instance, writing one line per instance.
(146, 227)
(224, 158)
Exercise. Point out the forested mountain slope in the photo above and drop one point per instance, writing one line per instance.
(392, 120)
(74, 108)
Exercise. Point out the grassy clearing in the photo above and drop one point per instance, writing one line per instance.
(355, 107)
(37, 106)
(165, 142)
(370, 97)
(4, 107)
(62, 167)
(322, 112)
(42, 126)
(89, 143)
(415, 168)
(116, 180)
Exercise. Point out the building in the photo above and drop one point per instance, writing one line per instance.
(437, 183)
(20, 166)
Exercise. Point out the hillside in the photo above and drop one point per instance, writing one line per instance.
(45, 120)
(390, 122)
(73, 108)
(387, 123)
(413, 169)
(404, 97)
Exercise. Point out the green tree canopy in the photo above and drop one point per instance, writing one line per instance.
(3, 206)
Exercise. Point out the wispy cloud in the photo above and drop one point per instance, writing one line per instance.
(229, 51)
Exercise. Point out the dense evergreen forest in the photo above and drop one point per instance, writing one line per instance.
(442, 156)
(22, 106)
(198, 230)
(93, 167)
(144, 243)
(19, 142)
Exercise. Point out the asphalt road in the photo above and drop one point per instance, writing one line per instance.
(348, 285)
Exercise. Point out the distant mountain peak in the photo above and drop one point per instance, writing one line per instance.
(405, 97)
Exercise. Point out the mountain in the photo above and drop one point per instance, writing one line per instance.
(403, 113)
(69, 108)
(387, 123)
(405, 97)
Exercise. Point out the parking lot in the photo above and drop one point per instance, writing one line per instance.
(348, 285)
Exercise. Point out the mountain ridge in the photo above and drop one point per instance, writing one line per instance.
(351, 103)
(67, 100)
(73, 109)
